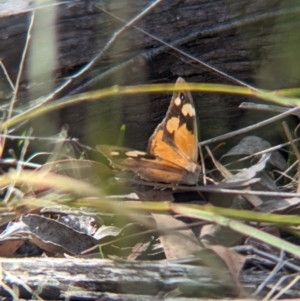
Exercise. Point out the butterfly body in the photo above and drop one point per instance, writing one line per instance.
(172, 153)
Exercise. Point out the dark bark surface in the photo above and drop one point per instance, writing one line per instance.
(255, 42)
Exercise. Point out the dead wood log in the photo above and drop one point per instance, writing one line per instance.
(53, 278)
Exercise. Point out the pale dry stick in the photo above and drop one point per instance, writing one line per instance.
(9, 290)
(99, 55)
(295, 149)
(265, 107)
(275, 287)
(27, 163)
(265, 151)
(54, 139)
(234, 191)
(224, 171)
(286, 288)
(7, 76)
(249, 128)
(276, 269)
(284, 174)
(17, 84)
(24, 163)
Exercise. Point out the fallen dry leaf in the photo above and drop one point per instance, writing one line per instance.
(12, 238)
(251, 172)
(55, 237)
(181, 244)
(213, 234)
(10, 246)
(107, 231)
(253, 144)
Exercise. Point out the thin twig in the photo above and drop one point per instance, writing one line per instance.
(249, 128)
(286, 288)
(277, 285)
(7, 76)
(215, 189)
(55, 139)
(284, 174)
(276, 269)
(265, 107)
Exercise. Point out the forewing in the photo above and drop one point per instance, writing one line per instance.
(176, 137)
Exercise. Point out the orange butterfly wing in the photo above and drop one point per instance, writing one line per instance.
(176, 138)
(172, 153)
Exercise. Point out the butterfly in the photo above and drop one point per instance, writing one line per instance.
(172, 153)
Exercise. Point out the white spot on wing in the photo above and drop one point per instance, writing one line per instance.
(114, 153)
(172, 124)
(177, 101)
(188, 109)
(135, 153)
